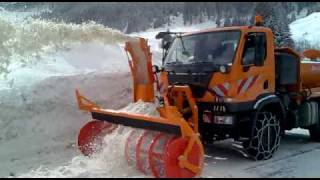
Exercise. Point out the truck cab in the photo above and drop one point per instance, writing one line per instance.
(234, 65)
(242, 84)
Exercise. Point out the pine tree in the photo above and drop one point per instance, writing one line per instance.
(276, 21)
(285, 39)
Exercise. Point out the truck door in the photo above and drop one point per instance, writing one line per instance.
(256, 74)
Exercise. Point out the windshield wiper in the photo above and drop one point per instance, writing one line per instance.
(185, 52)
(174, 62)
(199, 62)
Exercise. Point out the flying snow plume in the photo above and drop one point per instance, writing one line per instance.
(34, 49)
(30, 40)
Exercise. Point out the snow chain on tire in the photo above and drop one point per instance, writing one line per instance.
(266, 137)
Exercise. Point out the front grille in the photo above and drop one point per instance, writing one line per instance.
(219, 108)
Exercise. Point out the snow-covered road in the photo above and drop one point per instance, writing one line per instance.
(297, 157)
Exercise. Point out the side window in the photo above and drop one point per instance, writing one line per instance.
(254, 49)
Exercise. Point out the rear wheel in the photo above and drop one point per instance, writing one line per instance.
(265, 137)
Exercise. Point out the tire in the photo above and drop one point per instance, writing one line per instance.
(315, 132)
(265, 137)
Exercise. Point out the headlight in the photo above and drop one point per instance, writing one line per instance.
(223, 69)
(227, 120)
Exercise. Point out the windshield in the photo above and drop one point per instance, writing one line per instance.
(215, 47)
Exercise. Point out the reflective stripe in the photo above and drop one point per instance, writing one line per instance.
(221, 89)
(226, 85)
(245, 84)
(218, 91)
(253, 81)
(240, 84)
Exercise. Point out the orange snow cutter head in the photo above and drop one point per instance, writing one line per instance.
(165, 146)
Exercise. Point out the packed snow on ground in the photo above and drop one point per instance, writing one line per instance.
(40, 120)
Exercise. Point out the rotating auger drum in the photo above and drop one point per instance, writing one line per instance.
(157, 154)
(91, 136)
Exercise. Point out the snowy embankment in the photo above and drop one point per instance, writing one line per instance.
(307, 29)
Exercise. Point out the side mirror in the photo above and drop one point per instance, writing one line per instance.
(160, 35)
(155, 69)
(225, 69)
(165, 44)
(260, 49)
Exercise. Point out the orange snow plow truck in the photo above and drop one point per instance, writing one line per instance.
(214, 84)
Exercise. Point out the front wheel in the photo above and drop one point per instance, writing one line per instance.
(265, 136)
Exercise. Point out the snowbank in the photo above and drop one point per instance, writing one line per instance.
(39, 124)
(79, 59)
(307, 29)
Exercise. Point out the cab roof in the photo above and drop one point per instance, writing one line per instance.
(231, 28)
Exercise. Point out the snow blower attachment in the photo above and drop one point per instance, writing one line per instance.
(165, 146)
